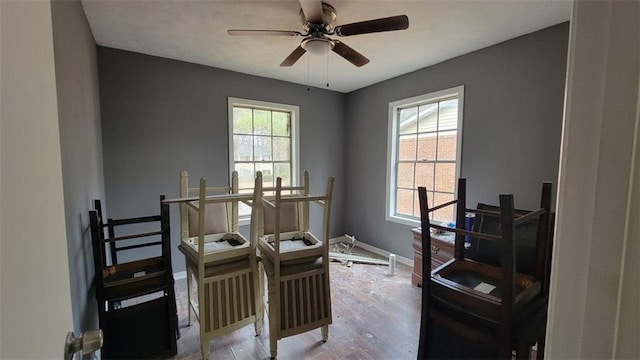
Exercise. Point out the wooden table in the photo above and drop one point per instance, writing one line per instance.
(441, 251)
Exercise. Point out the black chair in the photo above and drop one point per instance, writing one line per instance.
(490, 299)
(531, 327)
(135, 293)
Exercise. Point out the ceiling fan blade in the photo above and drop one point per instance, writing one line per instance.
(349, 54)
(399, 22)
(312, 10)
(293, 57)
(264, 32)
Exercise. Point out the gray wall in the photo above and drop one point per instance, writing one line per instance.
(81, 148)
(160, 116)
(513, 107)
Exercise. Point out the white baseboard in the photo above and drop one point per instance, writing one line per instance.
(375, 250)
(401, 259)
(338, 239)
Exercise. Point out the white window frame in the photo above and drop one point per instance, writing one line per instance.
(295, 136)
(392, 147)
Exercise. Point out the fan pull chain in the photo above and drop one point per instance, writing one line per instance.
(308, 71)
(327, 69)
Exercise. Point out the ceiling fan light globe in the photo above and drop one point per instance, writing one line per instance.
(318, 46)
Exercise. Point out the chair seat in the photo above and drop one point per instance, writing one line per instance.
(134, 271)
(448, 321)
(295, 247)
(290, 269)
(133, 279)
(478, 286)
(224, 266)
(219, 248)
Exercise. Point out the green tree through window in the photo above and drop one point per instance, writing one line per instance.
(263, 137)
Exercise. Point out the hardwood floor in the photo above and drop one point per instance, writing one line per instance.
(375, 316)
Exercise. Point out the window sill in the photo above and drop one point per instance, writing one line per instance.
(403, 221)
(412, 222)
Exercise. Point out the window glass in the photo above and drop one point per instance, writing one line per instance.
(424, 150)
(263, 137)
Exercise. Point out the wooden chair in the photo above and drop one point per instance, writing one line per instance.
(533, 259)
(222, 261)
(136, 297)
(296, 262)
(475, 308)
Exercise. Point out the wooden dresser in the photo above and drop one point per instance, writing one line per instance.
(441, 251)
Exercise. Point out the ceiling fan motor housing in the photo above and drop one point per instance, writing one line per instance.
(329, 16)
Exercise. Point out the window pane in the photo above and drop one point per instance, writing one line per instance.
(261, 122)
(447, 145)
(430, 196)
(448, 115)
(242, 148)
(416, 204)
(262, 141)
(407, 147)
(426, 147)
(267, 173)
(262, 148)
(242, 121)
(283, 171)
(408, 123)
(244, 209)
(246, 175)
(405, 175)
(281, 149)
(430, 202)
(404, 202)
(446, 213)
(424, 175)
(445, 177)
(281, 123)
(428, 118)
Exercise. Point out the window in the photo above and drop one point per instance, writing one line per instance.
(424, 147)
(262, 137)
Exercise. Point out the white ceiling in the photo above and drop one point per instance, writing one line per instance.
(195, 31)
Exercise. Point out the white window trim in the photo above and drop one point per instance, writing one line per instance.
(295, 136)
(392, 139)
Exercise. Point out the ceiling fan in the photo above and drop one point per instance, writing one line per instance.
(317, 21)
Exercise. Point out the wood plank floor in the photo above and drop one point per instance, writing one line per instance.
(375, 316)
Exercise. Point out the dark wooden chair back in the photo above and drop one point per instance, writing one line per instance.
(127, 234)
(452, 294)
(143, 327)
(488, 252)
